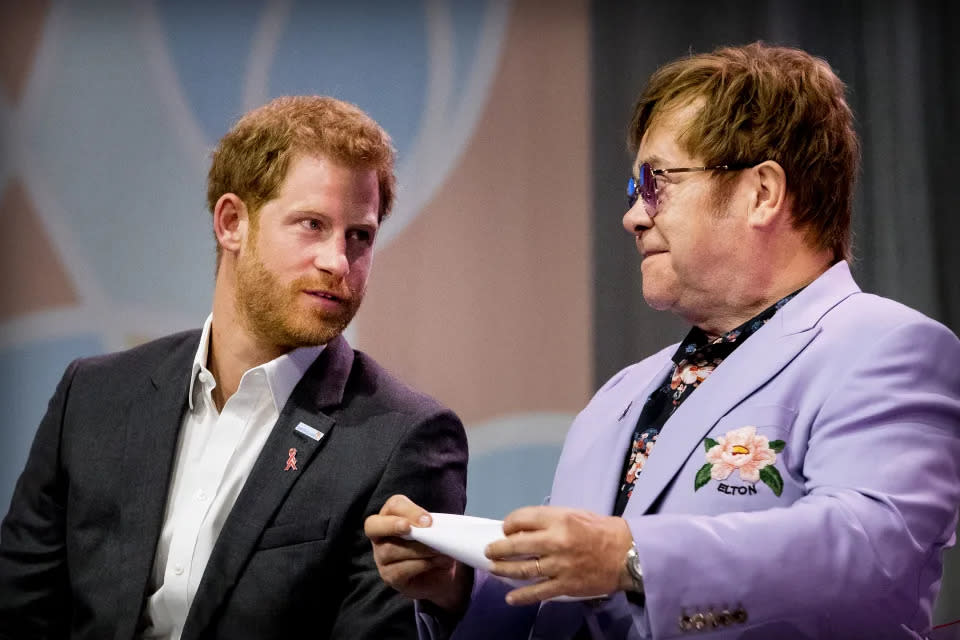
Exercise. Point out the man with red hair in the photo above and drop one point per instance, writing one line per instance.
(214, 483)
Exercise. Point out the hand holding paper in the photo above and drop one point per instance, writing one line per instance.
(580, 554)
(416, 570)
(465, 538)
(548, 553)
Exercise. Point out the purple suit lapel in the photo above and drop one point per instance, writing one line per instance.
(755, 362)
(588, 474)
(745, 370)
(609, 476)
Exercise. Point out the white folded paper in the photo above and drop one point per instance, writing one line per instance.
(464, 538)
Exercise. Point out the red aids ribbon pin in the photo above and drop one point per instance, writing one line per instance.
(291, 460)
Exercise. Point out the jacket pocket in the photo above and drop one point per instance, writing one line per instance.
(291, 533)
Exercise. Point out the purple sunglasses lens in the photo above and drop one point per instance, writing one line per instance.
(643, 187)
(648, 190)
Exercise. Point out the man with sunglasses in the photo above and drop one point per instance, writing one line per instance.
(791, 469)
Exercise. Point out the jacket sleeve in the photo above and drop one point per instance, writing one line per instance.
(34, 589)
(428, 465)
(488, 615)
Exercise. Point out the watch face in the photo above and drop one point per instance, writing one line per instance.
(633, 568)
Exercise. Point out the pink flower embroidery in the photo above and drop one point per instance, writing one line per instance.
(690, 374)
(741, 450)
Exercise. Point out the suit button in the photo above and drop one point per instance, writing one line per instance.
(698, 621)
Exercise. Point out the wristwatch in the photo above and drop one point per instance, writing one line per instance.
(632, 562)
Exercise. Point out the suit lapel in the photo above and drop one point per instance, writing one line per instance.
(269, 482)
(152, 428)
(599, 490)
(751, 365)
(764, 354)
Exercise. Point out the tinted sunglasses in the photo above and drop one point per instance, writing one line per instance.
(645, 185)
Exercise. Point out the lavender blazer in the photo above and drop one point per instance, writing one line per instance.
(856, 399)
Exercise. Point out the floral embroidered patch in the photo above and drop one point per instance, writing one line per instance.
(743, 451)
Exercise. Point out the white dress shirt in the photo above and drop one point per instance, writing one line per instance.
(215, 454)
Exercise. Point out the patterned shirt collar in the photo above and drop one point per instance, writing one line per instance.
(694, 361)
(698, 342)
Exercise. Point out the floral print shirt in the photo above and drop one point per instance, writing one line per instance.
(694, 360)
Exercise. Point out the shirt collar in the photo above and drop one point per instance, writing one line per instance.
(200, 358)
(697, 339)
(282, 373)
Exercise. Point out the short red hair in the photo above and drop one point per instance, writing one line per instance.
(252, 159)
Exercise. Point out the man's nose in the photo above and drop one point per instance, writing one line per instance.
(331, 256)
(636, 219)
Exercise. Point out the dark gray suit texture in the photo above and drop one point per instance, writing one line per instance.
(292, 562)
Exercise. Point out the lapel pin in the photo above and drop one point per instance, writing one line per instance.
(310, 432)
(291, 460)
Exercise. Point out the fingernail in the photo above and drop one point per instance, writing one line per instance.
(424, 520)
(510, 599)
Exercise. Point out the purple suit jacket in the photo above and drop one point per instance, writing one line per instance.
(863, 395)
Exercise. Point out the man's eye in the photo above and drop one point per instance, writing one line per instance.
(360, 235)
(311, 224)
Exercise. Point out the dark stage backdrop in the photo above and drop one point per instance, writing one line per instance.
(899, 60)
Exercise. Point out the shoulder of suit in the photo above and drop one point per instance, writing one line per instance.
(867, 313)
(395, 394)
(144, 356)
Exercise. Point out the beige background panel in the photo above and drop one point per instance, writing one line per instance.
(484, 301)
(34, 278)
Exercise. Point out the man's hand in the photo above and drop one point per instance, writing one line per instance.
(411, 568)
(573, 552)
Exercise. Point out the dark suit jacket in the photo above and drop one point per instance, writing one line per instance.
(78, 544)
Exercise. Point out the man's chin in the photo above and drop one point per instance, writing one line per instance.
(297, 339)
(656, 300)
(316, 334)
(660, 289)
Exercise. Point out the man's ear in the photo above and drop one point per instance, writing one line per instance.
(230, 222)
(769, 197)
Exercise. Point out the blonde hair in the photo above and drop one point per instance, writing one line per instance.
(761, 103)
